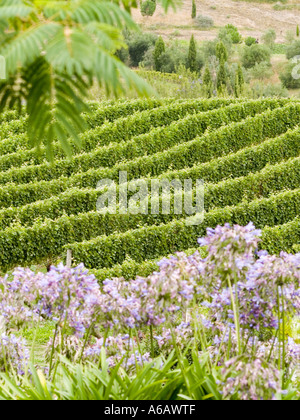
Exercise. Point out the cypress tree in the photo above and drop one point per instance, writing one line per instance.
(158, 51)
(194, 10)
(240, 78)
(239, 82)
(298, 31)
(221, 78)
(192, 56)
(208, 82)
(237, 89)
(221, 52)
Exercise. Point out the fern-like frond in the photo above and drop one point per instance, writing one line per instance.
(55, 107)
(27, 46)
(54, 53)
(104, 12)
(76, 50)
(115, 76)
(15, 11)
(110, 38)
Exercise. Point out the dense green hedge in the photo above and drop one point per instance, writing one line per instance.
(226, 140)
(282, 238)
(9, 116)
(241, 163)
(16, 149)
(110, 131)
(13, 127)
(150, 242)
(122, 109)
(296, 248)
(157, 140)
(275, 150)
(20, 245)
(230, 192)
(131, 269)
(274, 240)
(15, 142)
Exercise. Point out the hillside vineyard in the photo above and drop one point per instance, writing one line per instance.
(246, 152)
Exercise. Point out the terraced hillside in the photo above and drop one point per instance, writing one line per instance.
(248, 154)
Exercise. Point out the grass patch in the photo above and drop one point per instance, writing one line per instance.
(40, 335)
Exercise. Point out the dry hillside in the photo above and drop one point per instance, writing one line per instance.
(251, 18)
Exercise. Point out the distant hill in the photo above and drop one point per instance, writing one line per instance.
(252, 18)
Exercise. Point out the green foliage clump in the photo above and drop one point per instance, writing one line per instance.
(222, 79)
(234, 34)
(269, 90)
(194, 9)
(192, 55)
(148, 7)
(255, 54)
(204, 22)
(261, 71)
(138, 45)
(250, 41)
(207, 83)
(269, 38)
(290, 76)
(159, 49)
(221, 52)
(293, 50)
(239, 82)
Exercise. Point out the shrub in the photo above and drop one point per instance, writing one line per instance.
(204, 22)
(288, 78)
(261, 71)
(293, 50)
(148, 7)
(158, 51)
(254, 55)
(269, 38)
(225, 37)
(166, 62)
(250, 41)
(138, 44)
(289, 37)
(233, 32)
(262, 90)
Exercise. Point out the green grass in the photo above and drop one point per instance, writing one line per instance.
(39, 335)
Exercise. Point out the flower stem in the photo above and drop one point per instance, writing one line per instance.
(236, 315)
(152, 343)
